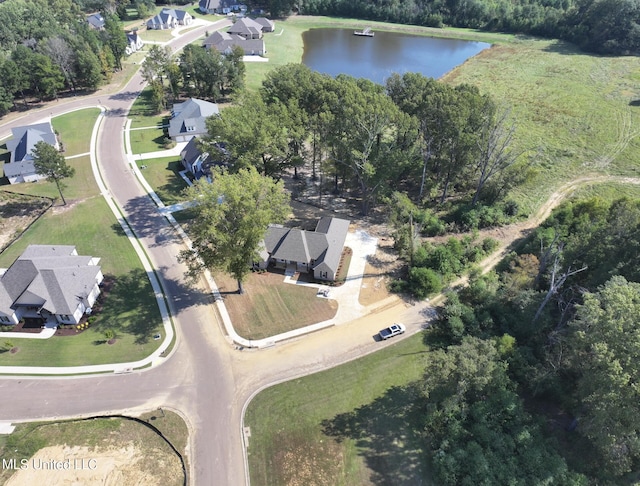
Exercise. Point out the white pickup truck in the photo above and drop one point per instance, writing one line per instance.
(392, 331)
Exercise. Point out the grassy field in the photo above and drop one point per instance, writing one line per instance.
(163, 176)
(75, 130)
(351, 425)
(159, 461)
(269, 306)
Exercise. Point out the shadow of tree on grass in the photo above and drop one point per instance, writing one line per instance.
(129, 307)
(387, 433)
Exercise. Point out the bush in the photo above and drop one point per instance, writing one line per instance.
(423, 281)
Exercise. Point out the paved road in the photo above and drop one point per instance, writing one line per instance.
(206, 379)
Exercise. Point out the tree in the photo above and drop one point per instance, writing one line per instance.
(232, 216)
(115, 38)
(51, 164)
(255, 135)
(604, 348)
(156, 64)
(62, 56)
(495, 152)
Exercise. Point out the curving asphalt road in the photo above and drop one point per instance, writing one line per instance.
(206, 379)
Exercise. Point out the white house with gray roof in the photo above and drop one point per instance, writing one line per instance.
(49, 282)
(317, 252)
(188, 119)
(20, 167)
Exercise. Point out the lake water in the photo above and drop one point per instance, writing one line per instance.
(338, 51)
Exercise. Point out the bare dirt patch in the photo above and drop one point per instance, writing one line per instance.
(17, 212)
(378, 271)
(100, 466)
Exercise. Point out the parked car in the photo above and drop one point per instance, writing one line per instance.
(391, 331)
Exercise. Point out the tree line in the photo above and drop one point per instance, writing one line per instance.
(196, 72)
(554, 328)
(365, 140)
(49, 48)
(601, 26)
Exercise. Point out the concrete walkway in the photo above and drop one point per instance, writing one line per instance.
(46, 333)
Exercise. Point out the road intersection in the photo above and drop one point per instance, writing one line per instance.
(206, 379)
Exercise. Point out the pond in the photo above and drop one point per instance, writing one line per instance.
(339, 51)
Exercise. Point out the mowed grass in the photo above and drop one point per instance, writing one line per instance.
(269, 306)
(351, 425)
(99, 434)
(75, 130)
(147, 140)
(163, 176)
(129, 309)
(142, 113)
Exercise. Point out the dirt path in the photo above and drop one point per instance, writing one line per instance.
(507, 236)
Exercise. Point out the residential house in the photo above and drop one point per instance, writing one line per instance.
(96, 21)
(169, 18)
(134, 43)
(188, 119)
(20, 167)
(49, 282)
(317, 252)
(267, 25)
(224, 42)
(199, 163)
(220, 6)
(247, 28)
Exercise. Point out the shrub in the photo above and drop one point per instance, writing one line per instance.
(423, 281)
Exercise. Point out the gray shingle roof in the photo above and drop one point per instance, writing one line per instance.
(224, 42)
(191, 113)
(323, 246)
(52, 277)
(245, 26)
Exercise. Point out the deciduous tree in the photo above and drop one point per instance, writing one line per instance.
(51, 164)
(232, 216)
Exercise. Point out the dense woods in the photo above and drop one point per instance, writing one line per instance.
(364, 140)
(49, 48)
(559, 321)
(602, 26)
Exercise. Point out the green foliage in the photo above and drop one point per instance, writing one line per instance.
(475, 423)
(423, 282)
(605, 346)
(232, 214)
(50, 163)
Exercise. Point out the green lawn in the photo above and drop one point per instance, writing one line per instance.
(163, 176)
(351, 425)
(147, 140)
(143, 115)
(130, 308)
(75, 130)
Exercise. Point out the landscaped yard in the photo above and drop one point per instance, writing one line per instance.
(75, 130)
(147, 140)
(163, 176)
(269, 306)
(142, 113)
(130, 309)
(351, 425)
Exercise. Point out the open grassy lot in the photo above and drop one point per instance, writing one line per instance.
(75, 130)
(269, 306)
(130, 309)
(163, 175)
(143, 115)
(147, 140)
(351, 425)
(119, 447)
(574, 112)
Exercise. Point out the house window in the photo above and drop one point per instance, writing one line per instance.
(191, 129)
(4, 319)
